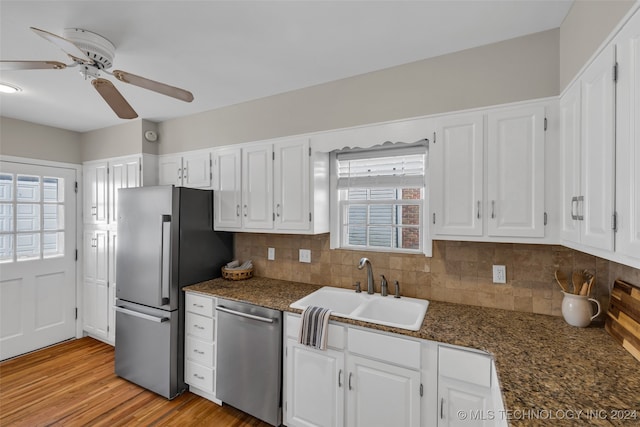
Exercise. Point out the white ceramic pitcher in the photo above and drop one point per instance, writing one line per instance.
(577, 309)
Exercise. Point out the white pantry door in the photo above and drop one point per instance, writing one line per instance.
(37, 257)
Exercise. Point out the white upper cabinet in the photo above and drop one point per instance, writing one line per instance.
(570, 163)
(598, 148)
(457, 173)
(123, 173)
(96, 209)
(227, 187)
(189, 170)
(515, 172)
(257, 187)
(628, 139)
(291, 191)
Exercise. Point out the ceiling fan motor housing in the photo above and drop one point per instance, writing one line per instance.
(99, 49)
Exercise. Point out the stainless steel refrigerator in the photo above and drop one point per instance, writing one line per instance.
(165, 242)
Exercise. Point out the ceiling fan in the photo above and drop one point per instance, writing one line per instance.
(94, 54)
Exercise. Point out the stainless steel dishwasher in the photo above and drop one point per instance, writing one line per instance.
(249, 365)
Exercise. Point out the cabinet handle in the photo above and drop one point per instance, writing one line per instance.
(237, 210)
(580, 208)
(179, 173)
(195, 350)
(350, 374)
(185, 173)
(245, 211)
(574, 203)
(94, 211)
(278, 210)
(198, 305)
(478, 211)
(442, 408)
(198, 327)
(493, 209)
(198, 377)
(340, 378)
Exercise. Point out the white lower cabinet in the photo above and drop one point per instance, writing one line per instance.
(200, 345)
(369, 378)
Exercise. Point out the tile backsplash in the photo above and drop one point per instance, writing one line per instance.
(458, 272)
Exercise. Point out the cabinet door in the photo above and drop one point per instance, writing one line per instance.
(628, 139)
(598, 151)
(516, 173)
(95, 193)
(291, 185)
(463, 404)
(196, 170)
(368, 380)
(456, 159)
(570, 162)
(257, 187)
(315, 386)
(111, 246)
(227, 195)
(170, 170)
(123, 173)
(96, 284)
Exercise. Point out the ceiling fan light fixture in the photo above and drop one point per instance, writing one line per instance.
(7, 88)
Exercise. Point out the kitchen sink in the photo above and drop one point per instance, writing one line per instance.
(404, 313)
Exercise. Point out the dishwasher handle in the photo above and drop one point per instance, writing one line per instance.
(141, 315)
(246, 315)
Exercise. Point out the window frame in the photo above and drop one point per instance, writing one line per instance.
(339, 203)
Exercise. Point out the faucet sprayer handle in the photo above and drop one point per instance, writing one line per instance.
(358, 288)
(397, 295)
(384, 288)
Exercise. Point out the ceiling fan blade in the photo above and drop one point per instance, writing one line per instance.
(32, 65)
(116, 101)
(68, 47)
(172, 91)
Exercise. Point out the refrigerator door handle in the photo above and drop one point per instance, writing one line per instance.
(141, 315)
(165, 262)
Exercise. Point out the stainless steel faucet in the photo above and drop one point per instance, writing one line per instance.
(370, 284)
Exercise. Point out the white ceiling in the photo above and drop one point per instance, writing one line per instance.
(227, 52)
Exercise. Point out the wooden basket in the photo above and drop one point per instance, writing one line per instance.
(237, 274)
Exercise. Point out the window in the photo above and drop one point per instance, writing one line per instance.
(31, 217)
(380, 198)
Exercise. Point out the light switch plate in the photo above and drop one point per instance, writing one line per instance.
(499, 274)
(271, 254)
(305, 255)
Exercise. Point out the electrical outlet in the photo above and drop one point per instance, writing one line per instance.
(499, 274)
(305, 255)
(271, 254)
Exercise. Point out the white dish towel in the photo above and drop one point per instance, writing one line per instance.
(314, 327)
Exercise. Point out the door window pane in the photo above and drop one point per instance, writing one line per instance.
(27, 246)
(28, 188)
(6, 247)
(53, 244)
(27, 217)
(53, 190)
(6, 187)
(6, 217)
(52, 217)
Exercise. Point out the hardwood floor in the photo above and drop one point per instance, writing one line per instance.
(73, 384)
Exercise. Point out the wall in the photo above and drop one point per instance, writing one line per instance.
(518, 69)
(25, 139)
(120, 140)
(459, 272)
(584, 29)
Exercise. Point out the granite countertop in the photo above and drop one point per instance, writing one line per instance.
(550, 373)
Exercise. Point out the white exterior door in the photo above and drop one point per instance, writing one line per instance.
(291, 185)
(515, 173)
(315, 387)
(37, 257)
(457, 173)
(598, 148)
(367, 380)
(227, 196)
(124, 173)
(257, 187)
(628, 139)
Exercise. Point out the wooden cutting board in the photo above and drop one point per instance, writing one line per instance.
(623, 317)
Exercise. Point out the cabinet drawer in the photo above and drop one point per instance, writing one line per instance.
(199, 376)
(400, 351)
(199, 351)
(199, 304)
(464, 365)
(335, 339)
(199, 326)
